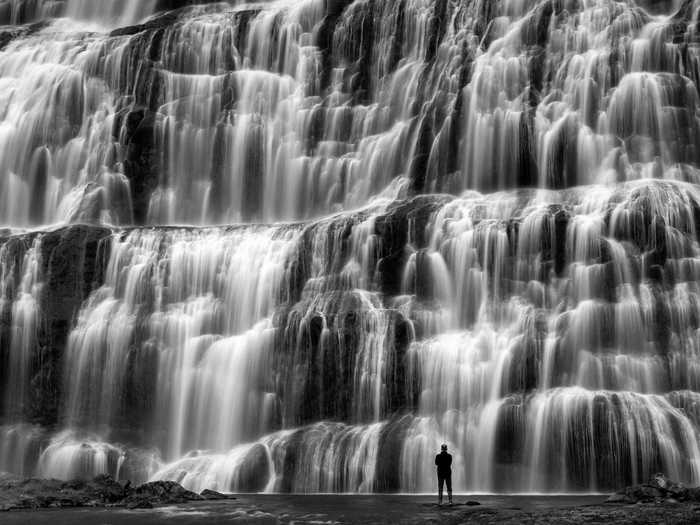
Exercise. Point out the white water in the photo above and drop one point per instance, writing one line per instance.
(542, 319)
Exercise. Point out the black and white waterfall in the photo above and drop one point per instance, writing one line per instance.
(295, 245)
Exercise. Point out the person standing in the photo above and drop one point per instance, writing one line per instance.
(443, 461)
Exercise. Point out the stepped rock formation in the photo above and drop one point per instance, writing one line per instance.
(294, 246)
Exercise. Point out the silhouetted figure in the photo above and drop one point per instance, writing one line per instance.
(444, 472)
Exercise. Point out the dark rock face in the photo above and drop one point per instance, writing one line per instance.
(74, 259)
(389, 455)
(71, 264)
(142, 163)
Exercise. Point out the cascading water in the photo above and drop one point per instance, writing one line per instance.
(296, 245)
(110, 12)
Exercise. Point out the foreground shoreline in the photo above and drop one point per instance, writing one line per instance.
(329, 509)
(106, 501)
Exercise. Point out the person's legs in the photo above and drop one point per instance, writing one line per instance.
(448, 481)
(441, 483)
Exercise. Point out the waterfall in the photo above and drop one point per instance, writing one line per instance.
(110, 12)
(295, 246)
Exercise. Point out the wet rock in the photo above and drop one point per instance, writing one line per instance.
(472, 503)
(657, 490)
(71, 268)
(387, 474)
(37, 493)
(141, 165)
(162, 492)
(212, 495)
(254, 473)
(103, 491)
(139, 503)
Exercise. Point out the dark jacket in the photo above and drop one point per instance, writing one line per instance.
(444, 464)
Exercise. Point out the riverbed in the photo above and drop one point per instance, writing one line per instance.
(382, 509)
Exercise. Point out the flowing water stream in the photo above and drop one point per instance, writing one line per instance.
(293, 246)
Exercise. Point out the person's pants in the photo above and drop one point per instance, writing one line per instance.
(445, 480)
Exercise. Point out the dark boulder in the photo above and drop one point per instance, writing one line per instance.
(106, 490)
(139, 503)
(102, 491)
(212, 495)
(38, 493)
(161, 492)
(658, 489)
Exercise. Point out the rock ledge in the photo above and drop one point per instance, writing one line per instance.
(102, 491)
(659, 489)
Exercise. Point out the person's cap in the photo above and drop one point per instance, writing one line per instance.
(444, 447)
